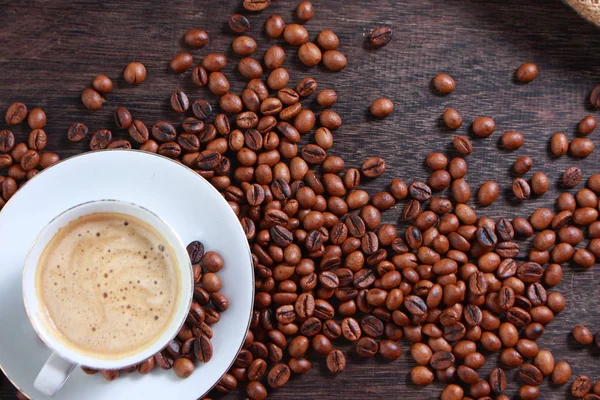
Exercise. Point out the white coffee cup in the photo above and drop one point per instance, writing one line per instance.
(65, 358)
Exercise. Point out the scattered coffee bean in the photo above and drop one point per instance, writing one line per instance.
(309, 54)
(581, 386)
(256, 5)
(16, 113)
(526, 72)
(305, 11)
(238, 23)
(522, 165)
(452, 118)
(382, 107)
(196, 38)
(328, 40)
(512, 140)
(244, 46)
(77, 132)
(122, 118)
(483, 126)
(135, 73)
(381, 36)
(559, 144)
(295, 34)
(582, 335)
(100, 139)
(274, 26)
(571, 177)
(181, 62)
(444, 83)
(587, 125)
(488, 193)
(91, 99)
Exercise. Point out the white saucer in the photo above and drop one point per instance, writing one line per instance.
(176, 193)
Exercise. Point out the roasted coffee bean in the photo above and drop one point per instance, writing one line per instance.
(119, 144)
(278, 375)
(486, 237)
(91, 99)
(372, 326)
(238, 23)
(77, 132)
(16, 113)
(418, 190)
(195, 250)
(214, 62)
(462, 145)
(374, 167)
(544, 361)
(581, 147)
(134, 73)
(442, 360)
(7, 141)
(256, 5)
(518, 317)
(226, 384)
(526, 72)
(30, 160)
(313, 154)
(196, 38)
(483, 126)
(163, 132)
(415, 305)
(381, 36)
(581, 386)
(199, 76)
(356, 225)
(169, 149)
(582, 335)
(47, 159)
(559, 144)
(571, 177)
(181, 62)
(100, 139)
(334, 60)
(5, 161)
(188, 142)
(366, 347)
(512, 140)
(163, 360)
(587, 125)
(37, 139)
(561, 373)
(421, 375)
(201, 109)
(179, 101)
(530, 272)
(507, 249)
(36, 118)
(506, 298)
(498, 381)
(208, 160)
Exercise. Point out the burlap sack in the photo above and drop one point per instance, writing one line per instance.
(588, 9)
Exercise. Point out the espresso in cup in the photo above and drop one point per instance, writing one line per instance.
(109, 284)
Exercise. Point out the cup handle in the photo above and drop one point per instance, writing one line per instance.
(53, 375)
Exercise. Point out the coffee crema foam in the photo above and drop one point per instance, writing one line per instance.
(109, 285)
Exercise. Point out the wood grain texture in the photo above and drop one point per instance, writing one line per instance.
(51, 50)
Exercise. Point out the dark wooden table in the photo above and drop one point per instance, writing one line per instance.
(51, 50)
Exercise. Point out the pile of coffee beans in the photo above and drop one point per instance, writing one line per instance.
(328, 271)
(22, 161)
(193, 342)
